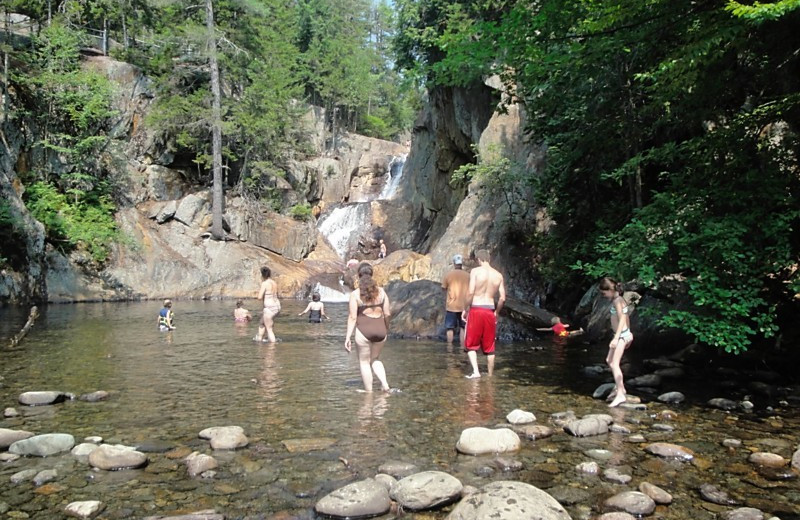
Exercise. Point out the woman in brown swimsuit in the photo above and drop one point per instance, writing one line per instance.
(368, 318)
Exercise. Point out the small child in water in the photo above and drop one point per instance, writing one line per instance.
(165, 317)
(560, 329)
(316, 310)
(240, 314)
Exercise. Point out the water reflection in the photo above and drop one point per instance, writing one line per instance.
(479, 405)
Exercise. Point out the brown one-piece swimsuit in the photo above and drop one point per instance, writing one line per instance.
(374, 329)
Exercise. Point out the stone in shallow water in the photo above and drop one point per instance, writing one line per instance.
(533, 432)
(505, 464)
(306, 445)
(116, 457)
(665, 449)
(479, 441)
(616, 515)
(569, 495)
(360, 499)
(771, 460)
(616, 476)
(100, 395)
(796, 460)
(8, 457)
(426, 490)
(732, 443)
(672, 397)
(43, 445)
(618, 428)
(663, 427)
(520, 417)
(649, 380)
(602, 391)
(83, 449)
(387, 480)
(723, 404)
(42, 398)
(398, 469)
(225, 437)
(22, 476)
(516, 501)
(590, 468)
(561, 419)
(84, 509)
(10, 412)
(198, 463)
(206, 514)
(633, 502)
(599, 454)
(743, 513)
(45, 476)
(588, 426)
(658, 495)
(9, 437)
(713, 494)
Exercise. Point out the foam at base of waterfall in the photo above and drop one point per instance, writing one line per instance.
(330, 295)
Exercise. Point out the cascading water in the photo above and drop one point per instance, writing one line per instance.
(330, 295)
(343, 225)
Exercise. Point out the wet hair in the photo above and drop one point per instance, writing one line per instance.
(266, 272)
(364, 269)
(168, 303)
(368, 288)
(482, 255)
(239, 303)
(609, 284)
(315, 296)
(554, 320)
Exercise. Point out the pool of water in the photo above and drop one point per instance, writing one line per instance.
(167, 387)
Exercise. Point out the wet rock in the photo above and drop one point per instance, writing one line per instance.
(633, 502)
(198, 463)
(595, 370)
(43, 445)
(360, 499)
(426, 490)
(225, 437)
(9, 437)
(42, 398)
(167, 211)
(562, 419)
(180, 452)
(306, 445)
(616, 515)
(45, 476)
(154, 446)
(776, 474)
(732, 443)
(667, 415)
(599, 454)
(398, 469)
(590, 468)
(478, 441)
(507, 465)
(618, 428)
(468, 490)
(743, 513)
(633, 406)
(516, 501)
(713, 494)
(662, 363)
(387, 480)
(520, 417)
(722, 403)
(637, 438)
(93, 397)
(206, 514)
(113, 457)
(771, 460)
(484, 471)
(651, 380)
(616, 476)
(796, 460)
(658, 495)
(84, 509)
(663, 427)
(22, 476)
(672, 397)
(8, 457)
(589, 426)
(49, 489)
(667, 450)
(602, 391)
(569, 495)
(674, 372)
(746, 406)
(83, 449)
(10, 412)
(534, 431)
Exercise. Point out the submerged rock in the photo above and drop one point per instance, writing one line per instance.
(723, 404)
(509, 500)
(206, 514)
(616, 476)
(658, 495)
(22, 476)
(713, 494)
(398, 469)
(743, 513)
(360, 499)
(672, 397)
(520, 417)
(198, 463)
(45, 476)
(10, 412)
(589, 426)
(533, 431)
(602, 391)
(9, 437)
(796, 460)
(43, 445)
(225, 437)
(633, 502)
(616, 515)
(649, 380)
(590, 468)
(306, 445)
(426, 490)
(667, 450)
(43, 398)
(478, 441)
(100, 395)
(83, 449)
(771, 460)
(84, 509)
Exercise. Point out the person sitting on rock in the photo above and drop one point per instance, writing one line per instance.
(316, 310)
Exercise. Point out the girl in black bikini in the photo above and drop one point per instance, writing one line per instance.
(368, 318)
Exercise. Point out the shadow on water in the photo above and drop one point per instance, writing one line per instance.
(166, 387)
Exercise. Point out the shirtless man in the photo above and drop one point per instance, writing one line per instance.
(484, 283)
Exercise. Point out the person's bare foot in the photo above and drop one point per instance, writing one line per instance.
(618, 400)
(610, 397)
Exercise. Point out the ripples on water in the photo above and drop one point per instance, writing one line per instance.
(166, 387)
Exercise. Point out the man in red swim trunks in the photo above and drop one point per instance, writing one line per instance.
(484, 283)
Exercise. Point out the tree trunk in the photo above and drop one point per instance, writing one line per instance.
(5, 69)
(217, 233)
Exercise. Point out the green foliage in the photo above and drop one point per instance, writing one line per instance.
(301, 211)
(86, 225)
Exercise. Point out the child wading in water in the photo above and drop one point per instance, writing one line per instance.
(620, 323)
(240, 314)
(560, 329)
(316, 310)
(165, 317)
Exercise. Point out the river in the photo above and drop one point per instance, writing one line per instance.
(166, 387)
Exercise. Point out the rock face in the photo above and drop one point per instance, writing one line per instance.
(426, 490)
(365, 498)
(479, 441)
(115, 457)
(508, 500)
(417, 309)
(43, 445)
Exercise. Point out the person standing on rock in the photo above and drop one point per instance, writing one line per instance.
(623, 337)
(485, 282)
(456, 283)
(369, 319)
(268, 293)
(382, 252)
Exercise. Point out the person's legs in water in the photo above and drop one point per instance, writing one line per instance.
(613, 360)
(490, 362)
(473, 360)
(364, 355)
(449, 335)
(267, 322)
(377, 365)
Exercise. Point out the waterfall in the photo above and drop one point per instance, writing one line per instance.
(396, 167)
(327, 294)
(342, 226)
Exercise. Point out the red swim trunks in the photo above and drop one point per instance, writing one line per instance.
(481, 327)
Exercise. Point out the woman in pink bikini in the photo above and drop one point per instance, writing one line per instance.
(623, 337)
(268, 293)
(240, 314)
